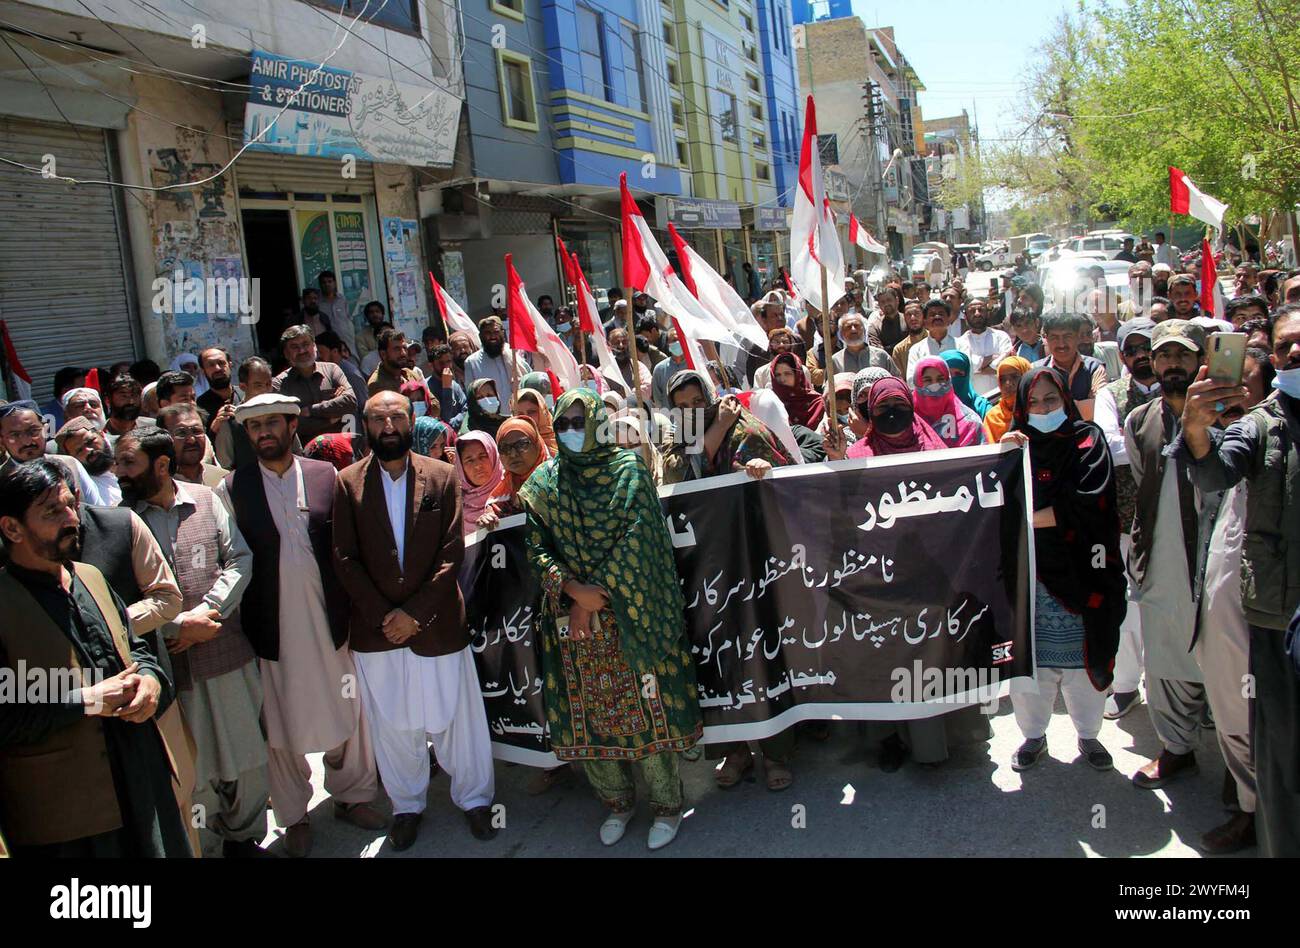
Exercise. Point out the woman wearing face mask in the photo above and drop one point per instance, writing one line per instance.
(934, 400)
(484, 409)
(593, 517)
(422, 401)
(891, 425)
(540, 382)
(1079, 601)
(999, 418)
(843, 404)
(481, 474)
(531, 404)
(959, 368)
(804, 405)
(733, 439)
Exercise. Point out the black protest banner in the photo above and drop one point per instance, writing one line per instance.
(889, 589)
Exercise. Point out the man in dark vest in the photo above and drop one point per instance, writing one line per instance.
(295, 614)
(1262, 451)
(1162, 560)
(84, 769)
(1114, 404)
(213, 665)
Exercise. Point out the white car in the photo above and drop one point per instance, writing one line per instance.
(1065, 283)
(1108, 244)
(995, 256)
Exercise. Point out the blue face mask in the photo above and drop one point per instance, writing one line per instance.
(675, 349)
(550, 402)
(420, 408)
(489, 404)
(591, 384)
(936, 389)
(1049, 422)
(1288, 382)
(572, 441)
(563, 327)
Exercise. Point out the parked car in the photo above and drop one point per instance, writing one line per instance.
(1109, 244)
(994, 255)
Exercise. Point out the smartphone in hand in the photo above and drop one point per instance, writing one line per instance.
(1226, 356)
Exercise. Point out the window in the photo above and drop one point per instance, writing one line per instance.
(672, 74)
(729, 118)
(591, 53)
(511, 8)
(633, 84)
(518, 101)
(753, 82)
(393, 14)
(683, 155)
(677, 115)
(756, 110)
(670, 37)
(778, 26)
(747, 22)
(762, 172)
(760, 141)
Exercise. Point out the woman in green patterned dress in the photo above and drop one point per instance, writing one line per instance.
(619, 678)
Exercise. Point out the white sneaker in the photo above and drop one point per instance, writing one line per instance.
(663, 831)
(615, 825)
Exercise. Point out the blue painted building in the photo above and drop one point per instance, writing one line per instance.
(781, 81)
(807, 11)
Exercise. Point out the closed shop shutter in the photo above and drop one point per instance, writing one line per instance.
(62, 287)
(265, 172)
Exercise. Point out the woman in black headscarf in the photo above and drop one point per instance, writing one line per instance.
(1080, 596)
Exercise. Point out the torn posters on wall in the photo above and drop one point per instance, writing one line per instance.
(890, 589)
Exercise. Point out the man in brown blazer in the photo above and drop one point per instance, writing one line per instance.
(398, 546)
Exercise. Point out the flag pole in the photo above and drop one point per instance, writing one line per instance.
(641, 428)
(513, 365)
(829, 368)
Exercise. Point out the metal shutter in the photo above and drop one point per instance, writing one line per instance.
(261, 171)
(62, 288)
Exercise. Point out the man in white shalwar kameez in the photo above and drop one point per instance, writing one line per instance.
(295, 615)
(398, 548)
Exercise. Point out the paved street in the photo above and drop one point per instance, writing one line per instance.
(975, 805)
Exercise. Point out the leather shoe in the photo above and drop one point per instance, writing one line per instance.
(1232, 837)
(1028, 754)
(1165, 768)
(405, 825)
(297, 840)
(243, 849)
(480, 822)
(362, 815)
(1095, 754)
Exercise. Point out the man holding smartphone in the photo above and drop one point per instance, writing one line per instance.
(1163, 557)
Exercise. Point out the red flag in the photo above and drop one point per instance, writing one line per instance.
(683, 260)
(1210, 292)
(523, 336)
(1187, 198)
(566, 264)
(636, 266)
(453, 317)
(686, 347)
(1180, 199)
(92, 379)
(18, 377)
(556, 388)
(587, 318)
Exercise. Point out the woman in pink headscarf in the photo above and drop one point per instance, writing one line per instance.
(893, 426)
(481, 474)
(938, 405)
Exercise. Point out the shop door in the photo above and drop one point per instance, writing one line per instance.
(268, 240)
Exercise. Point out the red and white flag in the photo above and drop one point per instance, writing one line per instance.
(1187, 198)
(646, 268)
(814, 242)
(453, 317)
(862, 237)
(18, 379)
(715, 294)
(1212, 300)
(589, 322)
(530, 332)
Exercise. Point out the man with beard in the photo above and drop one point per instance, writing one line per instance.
(1184, 297)
(22, 435)
(489, 362)
(222, 396)
(442, 382)
(394, 369)
(123, 406)
(81, 438)
(1260, 452)
(324, 395)
(886, 327)
(213, 666)
(185, 426)
(295, 614)
(1163, 555)
(938, 339)
(311, 314)
(1115, 403)
(914, 317)
(619, 346)
(368, 335)
(986, 347)
(87, 771)
(462, 346)
(398, 546)
(83, 403)
(1222, 639)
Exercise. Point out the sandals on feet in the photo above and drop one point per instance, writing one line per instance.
(778, 775)
(735, 768)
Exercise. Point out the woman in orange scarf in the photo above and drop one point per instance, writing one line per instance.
(531, 404)
(522, 452)
(999, 418)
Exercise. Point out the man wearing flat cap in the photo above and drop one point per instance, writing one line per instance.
(295, 614)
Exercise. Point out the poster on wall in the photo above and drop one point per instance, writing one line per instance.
(302, 108)
(315, 249)
(354, 264)
(453, 277)
(401, 241)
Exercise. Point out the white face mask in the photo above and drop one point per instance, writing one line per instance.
(420, 408)
(490, 404)
(572, 440)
